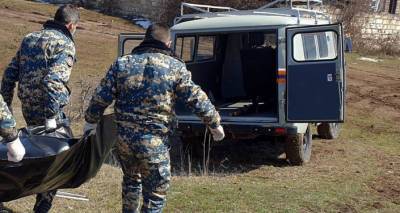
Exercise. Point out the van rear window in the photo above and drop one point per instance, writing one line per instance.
(315, 46)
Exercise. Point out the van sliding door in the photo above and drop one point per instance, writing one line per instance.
(315, 74)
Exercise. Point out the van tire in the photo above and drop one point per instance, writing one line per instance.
(329, 131)
(298, 148)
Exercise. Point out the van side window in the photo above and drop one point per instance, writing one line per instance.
(206, 47)
(184, 48)
(315, 46)
(260, 40)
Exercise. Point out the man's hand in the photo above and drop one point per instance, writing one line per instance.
(89, 128)
(51, 124)
(16, 151)
(218, 133)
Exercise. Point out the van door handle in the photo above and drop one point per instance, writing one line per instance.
(329, 77)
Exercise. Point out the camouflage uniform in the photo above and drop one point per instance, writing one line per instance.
(8, 129)
(145, 86)
(42, 67)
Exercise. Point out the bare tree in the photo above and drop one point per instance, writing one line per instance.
(173, 5)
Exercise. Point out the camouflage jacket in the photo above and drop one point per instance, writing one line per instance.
(42, 67)
(7, 122)
(145, 86)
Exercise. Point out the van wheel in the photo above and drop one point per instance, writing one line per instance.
(329, 130)
(298, 148)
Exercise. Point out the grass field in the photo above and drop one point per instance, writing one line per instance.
(359, 172)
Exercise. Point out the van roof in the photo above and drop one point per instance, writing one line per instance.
(231, 21)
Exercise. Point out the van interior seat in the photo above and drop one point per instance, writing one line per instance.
(232, 86)
(259, 73)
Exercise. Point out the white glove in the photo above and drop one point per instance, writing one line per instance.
(218, 133)
(51, 124)
(16, 151)
(90, 128)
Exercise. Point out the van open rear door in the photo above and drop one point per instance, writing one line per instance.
(315, 74)
(128, 41)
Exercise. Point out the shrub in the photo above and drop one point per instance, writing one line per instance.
(173, 6)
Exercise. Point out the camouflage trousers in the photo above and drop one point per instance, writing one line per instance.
(145, 175)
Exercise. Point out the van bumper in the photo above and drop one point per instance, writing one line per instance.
(238, 131)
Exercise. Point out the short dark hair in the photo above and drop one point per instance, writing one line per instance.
(67, 14)
(158, 31)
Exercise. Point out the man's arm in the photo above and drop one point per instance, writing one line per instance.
(10, 78)
(8, 129)
(54, 82)
(196, 99)
(103, 96)
(9, 133)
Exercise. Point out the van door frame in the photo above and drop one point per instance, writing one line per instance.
(281, 62)
(123, 37)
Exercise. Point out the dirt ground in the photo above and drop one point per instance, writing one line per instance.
(375, 88)
(359, 172)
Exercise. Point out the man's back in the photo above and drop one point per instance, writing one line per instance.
(42, 68)
(37, 51)
(146, 86)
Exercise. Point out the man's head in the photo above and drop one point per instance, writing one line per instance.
(159, 32)
(68, 15)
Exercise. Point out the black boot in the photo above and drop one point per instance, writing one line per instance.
(43, 207)
(44, 202)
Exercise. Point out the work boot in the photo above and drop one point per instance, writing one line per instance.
(44, 202)
(43, 207)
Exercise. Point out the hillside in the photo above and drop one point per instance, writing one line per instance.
(359, 172)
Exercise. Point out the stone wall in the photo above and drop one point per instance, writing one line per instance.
(375, 31)
(379, 32)
(373, 25)
(386, 4)
(379, 25)
(146, 8)
(151, 9)
(61, 1)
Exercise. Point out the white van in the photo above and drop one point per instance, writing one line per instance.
(273, 71)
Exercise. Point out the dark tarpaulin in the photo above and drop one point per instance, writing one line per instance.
(55, 163)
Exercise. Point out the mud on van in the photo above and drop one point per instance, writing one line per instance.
(273, 71)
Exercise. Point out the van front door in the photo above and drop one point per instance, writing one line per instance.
(127, 42)
(315, 74)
